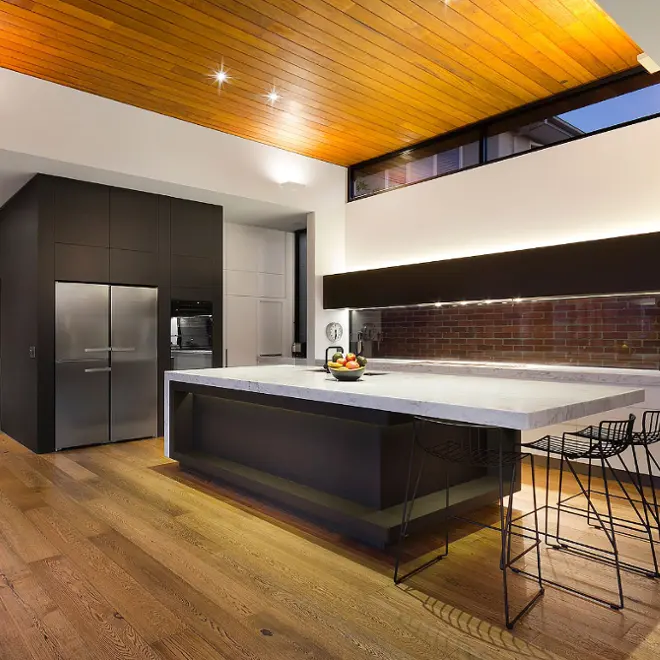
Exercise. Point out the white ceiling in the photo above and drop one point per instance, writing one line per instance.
(640, 19)
(17, 169)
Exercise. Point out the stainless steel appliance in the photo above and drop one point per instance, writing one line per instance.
(106, 372)
(191, 339)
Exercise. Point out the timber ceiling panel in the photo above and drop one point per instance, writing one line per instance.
(355, 78)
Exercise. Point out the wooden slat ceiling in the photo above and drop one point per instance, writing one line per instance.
(356, 78)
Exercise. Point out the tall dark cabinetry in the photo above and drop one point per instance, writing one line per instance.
(58, 229)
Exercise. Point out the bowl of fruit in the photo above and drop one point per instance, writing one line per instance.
(347, 367)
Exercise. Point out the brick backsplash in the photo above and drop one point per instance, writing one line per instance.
(622, 331)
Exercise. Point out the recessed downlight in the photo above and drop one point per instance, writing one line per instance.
(221, 76)
(273, 97)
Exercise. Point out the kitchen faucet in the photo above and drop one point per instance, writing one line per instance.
(338, 349)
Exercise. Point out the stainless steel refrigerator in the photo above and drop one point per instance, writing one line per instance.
(106, 386)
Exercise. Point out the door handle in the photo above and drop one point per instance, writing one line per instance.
(123, 350)
(98, 370)
(106, 349)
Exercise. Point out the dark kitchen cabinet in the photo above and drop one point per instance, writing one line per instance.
(81, 213)
(196, 229)
(81, 263)
(133, 220)
(64, 230)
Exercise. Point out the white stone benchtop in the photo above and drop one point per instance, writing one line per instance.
(560, 372)
(503, 402)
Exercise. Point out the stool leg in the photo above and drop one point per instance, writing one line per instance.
(547, 494)
(407, 507)
(536, 520)
(649, 456)
(561, 479)
(446, 520)
(407, 515)
(645, 521)
(613, 537)
(589, 489)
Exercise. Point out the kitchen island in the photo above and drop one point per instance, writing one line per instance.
(337, 452)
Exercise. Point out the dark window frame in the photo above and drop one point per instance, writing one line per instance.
(613, 86)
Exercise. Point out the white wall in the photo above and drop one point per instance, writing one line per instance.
(600, 186)
(57, 130)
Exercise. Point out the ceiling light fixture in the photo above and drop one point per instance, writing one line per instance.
(221, 75)
(272, 96)
(648, 63)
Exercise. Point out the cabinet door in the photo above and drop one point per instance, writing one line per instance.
(82, 212)
(133, 220)
(196, 229)
(272, 251)
(241, 324)
(270, 314)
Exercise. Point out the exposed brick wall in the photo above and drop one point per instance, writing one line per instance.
(615, 332)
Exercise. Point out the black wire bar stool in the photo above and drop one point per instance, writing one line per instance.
(471, 447)
(607, 440)
(646, 524)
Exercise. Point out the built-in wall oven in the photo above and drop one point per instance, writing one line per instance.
(191, 337)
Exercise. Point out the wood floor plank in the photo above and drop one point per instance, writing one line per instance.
(102, 627)
(26, 541)
(188, 645)
(201, 613)
(68, 465)
(135, 604)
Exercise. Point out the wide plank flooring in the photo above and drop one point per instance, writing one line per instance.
(113, 552)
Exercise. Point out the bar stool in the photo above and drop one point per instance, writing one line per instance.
(647, 522)
(608, 439)
(472, 450)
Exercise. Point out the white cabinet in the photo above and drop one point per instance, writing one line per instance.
(270, 317)
(259, 289)
(272, 251)
(271, 286)
(255, 249)
(242, 247)
(241, 331)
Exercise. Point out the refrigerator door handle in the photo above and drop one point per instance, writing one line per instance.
(98, 370)
(105, 349)
(123, 350)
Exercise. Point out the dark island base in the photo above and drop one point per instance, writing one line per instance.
(340, 466)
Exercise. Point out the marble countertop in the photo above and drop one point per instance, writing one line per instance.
(504, 402)
(559, 372)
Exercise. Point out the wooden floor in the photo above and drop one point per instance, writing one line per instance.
(113, 552)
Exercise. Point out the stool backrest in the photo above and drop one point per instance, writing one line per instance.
(618, 432)
(651, 426)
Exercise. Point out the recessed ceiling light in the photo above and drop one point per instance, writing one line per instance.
(221, 76)
(272, 96)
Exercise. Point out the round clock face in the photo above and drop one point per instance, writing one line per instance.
(334, 331)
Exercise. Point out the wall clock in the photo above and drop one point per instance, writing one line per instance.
(334, 331)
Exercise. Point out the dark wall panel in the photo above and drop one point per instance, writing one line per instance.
(46, 313)
(134, 268)
(164, 304)
(19, 226)
(82, 213)
(82, 263)
(617, 265)
(133, 220)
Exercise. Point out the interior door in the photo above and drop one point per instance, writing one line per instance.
(134, 390)
(82, 364)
